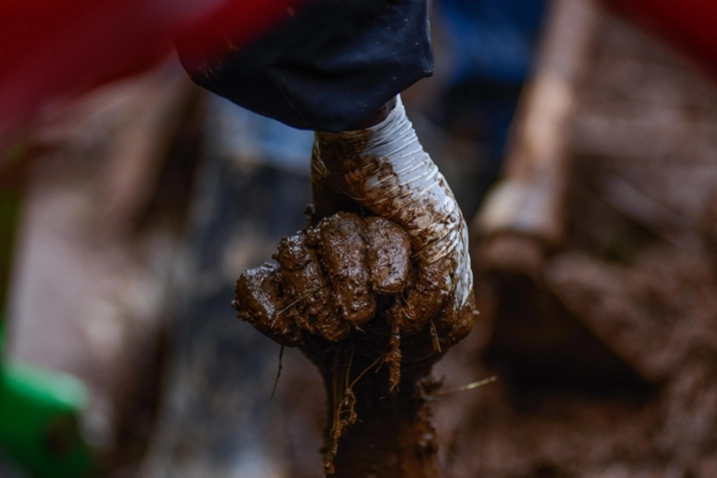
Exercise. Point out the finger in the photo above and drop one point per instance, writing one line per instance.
(444, 280)
(389, 255)
(343, 255)
(455, 322)
(307, 296)
(257, 300)
(430, 292)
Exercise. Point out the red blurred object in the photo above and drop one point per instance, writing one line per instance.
(691, 25)
(51, 48)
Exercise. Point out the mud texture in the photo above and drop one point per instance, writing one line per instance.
(335, 292)
(637, 276)
(385, 171)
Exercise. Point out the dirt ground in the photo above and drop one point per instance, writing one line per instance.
(628, 390)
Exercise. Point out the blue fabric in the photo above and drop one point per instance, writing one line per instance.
(493, 38)
(493, 45)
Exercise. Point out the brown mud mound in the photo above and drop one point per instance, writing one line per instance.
(660, 315)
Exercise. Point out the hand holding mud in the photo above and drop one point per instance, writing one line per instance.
(329, 281)
(381, 276)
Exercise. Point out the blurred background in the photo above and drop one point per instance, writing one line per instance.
(581, 142)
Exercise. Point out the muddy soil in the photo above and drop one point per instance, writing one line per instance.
(638, 276)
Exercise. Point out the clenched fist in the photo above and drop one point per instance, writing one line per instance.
(346, 277)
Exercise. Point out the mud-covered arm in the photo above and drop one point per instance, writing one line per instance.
(384, 170)
(377, 172)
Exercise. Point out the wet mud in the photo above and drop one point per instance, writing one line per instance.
(335, 291)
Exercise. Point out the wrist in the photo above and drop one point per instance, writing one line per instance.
(340, 152)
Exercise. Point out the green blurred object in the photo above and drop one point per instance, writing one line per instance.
(39, 410)
(39, 422)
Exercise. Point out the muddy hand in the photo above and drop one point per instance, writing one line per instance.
(327, 281)
(406, 265)
(383, 170)
(345, 276)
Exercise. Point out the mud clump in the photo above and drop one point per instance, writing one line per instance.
(329, 281)
(337, 292)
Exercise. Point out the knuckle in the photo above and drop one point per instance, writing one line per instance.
(389, 255)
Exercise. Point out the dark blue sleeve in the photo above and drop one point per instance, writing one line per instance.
(330, 66)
